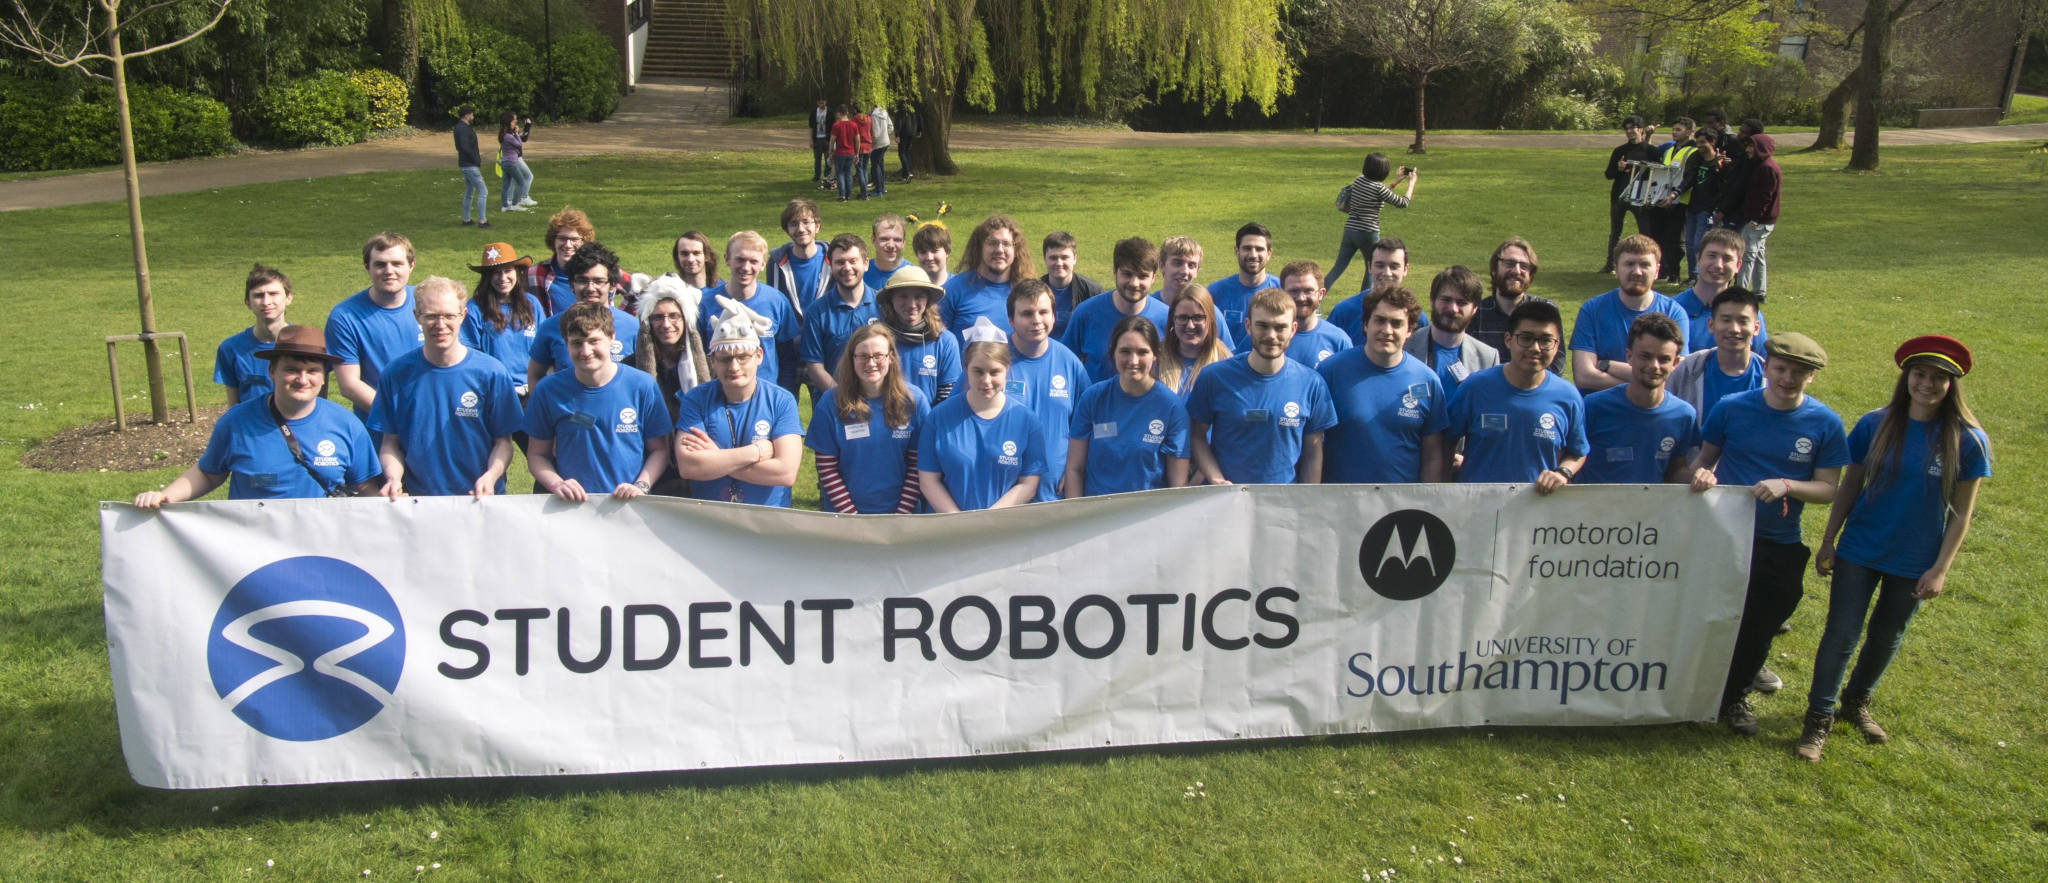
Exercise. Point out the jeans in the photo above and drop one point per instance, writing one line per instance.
(903, 157)
(842, 172)
(1616, 210)
(1354, 241)
(1777, 577)
(518, 178)
(878, 167)
(473, 189)
(820, 149)
(1754, 273)
(1696, 225)
(1848, 599)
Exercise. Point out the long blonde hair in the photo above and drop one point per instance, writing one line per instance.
(896, 400)
(1173, 369)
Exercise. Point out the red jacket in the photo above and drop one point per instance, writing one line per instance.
(867, 132)
(846, 136)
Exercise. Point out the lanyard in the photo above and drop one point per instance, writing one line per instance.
(733, 493)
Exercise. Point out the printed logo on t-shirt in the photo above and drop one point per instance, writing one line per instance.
(1290, 414)
(1667, 444)
(931, 366)
(529, 330)
(629, 421)
(1059, 386)
(1321, 355)
(466, 405)
(1009, 457)
(762, 428)
(1546, 427)
(900, 432)
(1802, 450)
(1155, 432)
(618, 349)
(1934, 467)
(1410, 405)
(323, 454)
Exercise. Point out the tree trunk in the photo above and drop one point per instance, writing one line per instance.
(932, 151)
(1834, 114)
(1421, 85)
(1877, 40)
(159, 404)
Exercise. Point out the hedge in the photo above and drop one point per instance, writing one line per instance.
(325, 108)
(50, 126)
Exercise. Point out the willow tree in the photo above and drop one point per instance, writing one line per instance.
(1211, 52)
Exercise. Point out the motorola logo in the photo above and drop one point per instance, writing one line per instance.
(1407, 555)
(306, 648)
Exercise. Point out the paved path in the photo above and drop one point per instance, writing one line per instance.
(664, 115)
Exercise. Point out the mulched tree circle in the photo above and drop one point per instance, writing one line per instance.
(96, 447)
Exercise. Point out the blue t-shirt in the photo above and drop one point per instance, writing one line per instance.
(1715, 385)
(772, 305)
(1063, 306)
(1349, 316)
(770, 414)
(512, 347)
(551, 352)
(969, 296)
(1233, 298)
(876, 277)
(1897, 524)
(827, 325)
(561, 295)
(1758, 442)
(371, 337)
(1383, 414)
(600, 433)
(1048, 385)
(931, 364)
(980, 460)
(1513, 434)
(446, 419)
(1444, 361)
(1602, 326)
(806, 271)
(1257, 421)
(1088, 330)
(1317, 345)
(1633, 445)
(236, 367)
(1699, 324)
(874, 457)
(247, 447)
(1130, 438)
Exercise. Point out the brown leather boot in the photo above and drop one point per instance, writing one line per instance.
(1856, 711)
(1813, 737)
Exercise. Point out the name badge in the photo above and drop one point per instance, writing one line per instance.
(856, 430)
(1621, 455)
(1257, 415)
(581, 419)
(1105, 430)
(1014, 387)
(1459, 371)
(1493, 423)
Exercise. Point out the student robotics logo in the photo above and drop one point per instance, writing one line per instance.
(931, 361)
(468, 399)
(762, 428)
(627, 416)
(1292, 409)
(306, 648)
(1547, 421)
(1667, 444)
(1059, 381)
(1009, 449)
(325, 447)
(1407, 554)
(618, 349)
(1804, 445)
(1156, 427)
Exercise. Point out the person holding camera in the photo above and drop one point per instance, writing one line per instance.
(512, 134)
(1360, 201)
(1635, 150)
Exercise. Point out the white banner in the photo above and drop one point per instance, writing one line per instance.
(335, 640)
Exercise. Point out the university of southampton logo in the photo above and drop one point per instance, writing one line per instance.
(306, 648)
(1407, 554)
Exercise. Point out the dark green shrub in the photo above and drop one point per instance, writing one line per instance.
(486, 68)
(387, 96)
(57, 126)
(325, 108)
(587, 81)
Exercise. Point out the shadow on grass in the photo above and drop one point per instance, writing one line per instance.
(87, 786)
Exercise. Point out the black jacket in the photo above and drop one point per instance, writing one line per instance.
(466, 154)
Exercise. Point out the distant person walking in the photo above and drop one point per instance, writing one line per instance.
(882, 130)
(821, 144)
(845, 148)
(909, 126)
(512, 135)
(1361, 201)
(470, 160)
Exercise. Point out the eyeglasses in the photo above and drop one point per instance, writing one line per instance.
(562, 239)
(592, 280)
(666, 318)
(873, 357)
(440, 318)
(1543, 342)
(1512, 264)
(1191, 320)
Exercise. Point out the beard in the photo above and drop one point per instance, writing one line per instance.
(1449, 323)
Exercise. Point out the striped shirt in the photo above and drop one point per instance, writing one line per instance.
(1362, 198)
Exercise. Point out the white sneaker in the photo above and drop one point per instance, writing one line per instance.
(527, 202)
(514, 208)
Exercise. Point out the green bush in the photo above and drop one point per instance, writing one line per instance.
(1564, 112)
(54, 126)
(587, 81)
(325, 108)
(387, 96)
(486, 68)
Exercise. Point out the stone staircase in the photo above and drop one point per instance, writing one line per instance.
(687, 39)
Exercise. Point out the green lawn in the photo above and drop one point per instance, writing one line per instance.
(1945, 239)
(2026, 109)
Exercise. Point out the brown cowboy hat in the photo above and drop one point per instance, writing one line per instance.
(305, 341)
(501, 254)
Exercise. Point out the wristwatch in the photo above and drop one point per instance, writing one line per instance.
(1566, 471)
(643, 486)
(1602, 366)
